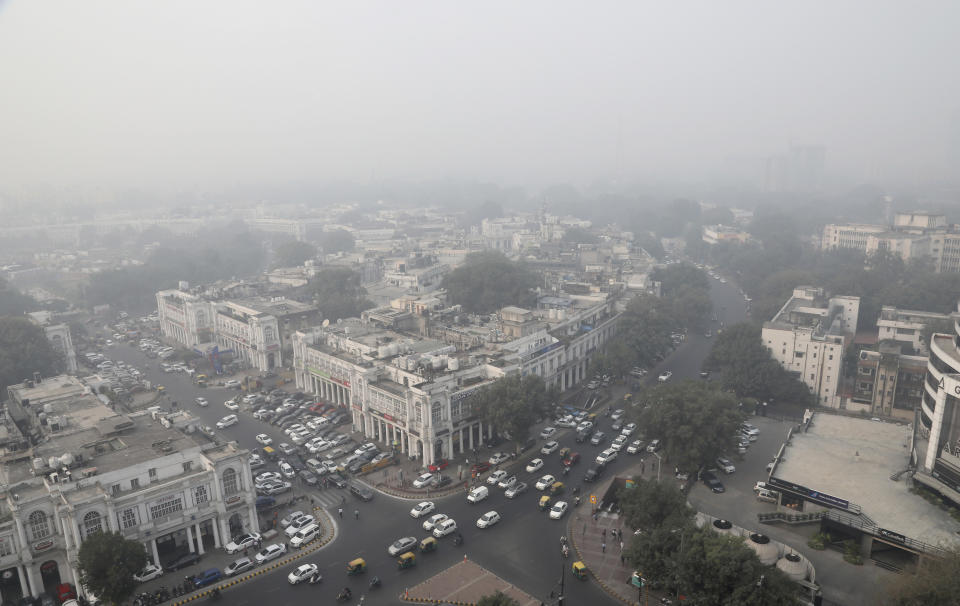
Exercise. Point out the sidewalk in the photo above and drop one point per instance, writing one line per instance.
(465, 583)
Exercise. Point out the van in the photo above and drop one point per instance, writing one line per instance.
(478, 494)
(305, 535)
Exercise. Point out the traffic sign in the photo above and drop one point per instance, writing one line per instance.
(593, 499)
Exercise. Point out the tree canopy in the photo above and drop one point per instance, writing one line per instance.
(513, 404)
(107, 563)
(695, 422)
(745, 366)
(497, 599)
(338, 293)
(488, 281)
(293, 252)
(13, 302)
(337, 240)
(25, 349)
(936, 582)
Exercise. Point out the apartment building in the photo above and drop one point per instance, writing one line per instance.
(888, 382)
(809, 336)
(906, 325)
(72, 467)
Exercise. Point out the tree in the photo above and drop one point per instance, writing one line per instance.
(24, 349)
(746, 367)
(936, 582)
(107, 563)
(497, 599)
(695, 422)
(513, 404)
(651, 504)
(645, 328)
(293, 252)
(338, 293)
(488, 281)
(13, 302)
(337, 240)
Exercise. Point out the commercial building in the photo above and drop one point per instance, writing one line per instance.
(889, 382)
(809, 336)
(912, 235)
(411, 390)
(72, 466)
(714, 234)
(907, 325)
(59, 336)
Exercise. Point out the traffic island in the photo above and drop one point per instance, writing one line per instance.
(463, 584)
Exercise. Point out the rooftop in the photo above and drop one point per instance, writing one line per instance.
(853, 459)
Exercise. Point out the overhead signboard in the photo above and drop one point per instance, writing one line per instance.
(811, 495)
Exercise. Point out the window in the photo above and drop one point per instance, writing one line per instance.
(128, 518)
(187, 466)
(92, 522)
(39, 527)
(230, 482)
(831, 356)
(799, 354)
(6, 545)
(115, 489)
(153, 474)
(134, 483)
(200, 494)
(435, 413)
(166, 507)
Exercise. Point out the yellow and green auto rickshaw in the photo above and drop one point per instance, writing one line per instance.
(579, 570)
(544, 503)
(406, 560)
(428, 544)
(564, 452)
(556, 488)
(356, 566)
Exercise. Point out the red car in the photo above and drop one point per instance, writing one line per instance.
(480, 467)
(439, 465)
(571, 459)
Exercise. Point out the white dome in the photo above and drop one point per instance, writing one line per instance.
(793, 566)
(765, 550)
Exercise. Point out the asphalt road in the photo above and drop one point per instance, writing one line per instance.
(523, 548)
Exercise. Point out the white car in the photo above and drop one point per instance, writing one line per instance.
(629, 429)
(635, 447)
(444, 528)
(423, 481)
(302, 573)
(606, 456)
(515, 490)
(270, 552)
(290, 518)
(664, 377)
(264, 439)
(547, 432)
(550, 447)
(149, 572)
(567, 421)
(617, 414)
(202, 402)
(488, 519)
(267, 476)
(242, 542)
(237, 566)
(619, 443)
(227, 421)
(559, 508)
(653, 446)
(498, 458)
(535, 465)
(231, 405)
(496, 477)
(725, 464)
(430, 523)
(545, 482)
(422, 509)
(232, 384)
(507, 483)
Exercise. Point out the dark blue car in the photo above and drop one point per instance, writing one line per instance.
(211, 575)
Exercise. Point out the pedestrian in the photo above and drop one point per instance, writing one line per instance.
(621, 546)
(584, 529)
(340, 511)
(622, 560)
(356, 514)
(603, 546)
(604, 534)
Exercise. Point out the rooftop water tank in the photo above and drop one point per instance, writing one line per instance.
(436, 362)
(453, 364)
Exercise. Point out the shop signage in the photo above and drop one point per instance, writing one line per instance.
(43, 545)
(811, 495)
(231, 500)
(891, 535)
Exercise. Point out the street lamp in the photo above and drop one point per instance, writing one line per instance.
(659, 460)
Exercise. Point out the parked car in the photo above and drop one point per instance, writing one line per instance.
(149, 572)
(238, 566)
(712, 482)
(243, 541)
(227, 421)
(498, 458)
(211, 575)
(725, 465)
(665, 376)
(182, 561)
(547, 433)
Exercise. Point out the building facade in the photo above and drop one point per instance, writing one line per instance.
(808, 337)
(73, 467)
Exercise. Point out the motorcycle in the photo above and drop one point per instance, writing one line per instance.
(374, 582)
(565, 550)
(315, 578)
(343, 596)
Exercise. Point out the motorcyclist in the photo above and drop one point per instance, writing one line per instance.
(346, 593)
(577, 501)
(375, 581)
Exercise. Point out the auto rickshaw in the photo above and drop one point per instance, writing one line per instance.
(270, 453)
(564, 452)
(161, 389)
(356, 566)
(544, 503)
(579, 570)
(428, 544)
(406, 560)
(556, 488)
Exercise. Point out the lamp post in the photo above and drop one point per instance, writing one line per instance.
(659, 461)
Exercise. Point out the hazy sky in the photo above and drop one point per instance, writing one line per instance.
(203, 93)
